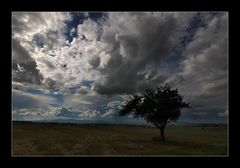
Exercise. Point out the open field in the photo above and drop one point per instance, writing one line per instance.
(70, 139)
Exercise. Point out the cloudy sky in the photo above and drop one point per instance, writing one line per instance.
(81, 65)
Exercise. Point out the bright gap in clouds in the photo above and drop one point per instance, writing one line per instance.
(81, 65)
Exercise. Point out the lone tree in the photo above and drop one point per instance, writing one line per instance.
(158, 107)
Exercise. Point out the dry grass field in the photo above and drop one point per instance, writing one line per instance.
(72, 139)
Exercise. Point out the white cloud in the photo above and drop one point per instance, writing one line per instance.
(90, 59)
(224, 114)
(90, 114)
(88, 29)
(109, 113)
(126, 57)
(114, 104)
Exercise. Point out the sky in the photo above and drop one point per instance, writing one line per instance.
(83, 65)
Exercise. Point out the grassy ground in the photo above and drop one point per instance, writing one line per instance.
(66, 139)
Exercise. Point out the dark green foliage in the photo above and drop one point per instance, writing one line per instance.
(158, 107)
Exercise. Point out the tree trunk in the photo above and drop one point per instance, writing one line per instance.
(162, 134)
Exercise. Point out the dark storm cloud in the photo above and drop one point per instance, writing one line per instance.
(46, 40)
(205, 68)
(51, 38)
(146, 41)
(19, 53)
(24, 68)
(94, 62)
(82, 91)
(39, 40)
(150, 79)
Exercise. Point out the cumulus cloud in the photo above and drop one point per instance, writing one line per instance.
(135, 47)
(103, 51)
(88, 29)
(36, 35)
(96, 62)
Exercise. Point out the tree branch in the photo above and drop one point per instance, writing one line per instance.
(156, 125)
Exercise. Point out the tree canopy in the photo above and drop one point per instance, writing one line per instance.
(158, 107)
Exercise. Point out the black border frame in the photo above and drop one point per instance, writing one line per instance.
(108, 5)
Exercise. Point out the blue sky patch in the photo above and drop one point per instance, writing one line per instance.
(176, 56)
(87, 83)
(77, 18)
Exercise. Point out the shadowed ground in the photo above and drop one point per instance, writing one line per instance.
(70, 139)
